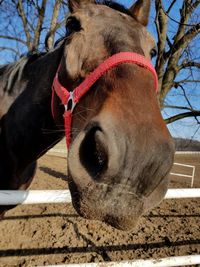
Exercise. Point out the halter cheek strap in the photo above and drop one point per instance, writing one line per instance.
(70, 98)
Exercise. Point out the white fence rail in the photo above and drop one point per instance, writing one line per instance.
(64, 151)
(165, 262)
(9, 197)
(15, 197)
(196, 153)
(185, 175)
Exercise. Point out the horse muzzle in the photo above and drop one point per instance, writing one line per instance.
(111, 177)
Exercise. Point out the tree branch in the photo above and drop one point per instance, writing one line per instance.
(178, 107)
(161, 26)
(12, 38)
(194, 113)
(186, 81)
(52, 33)
(185, 95)
(37, 33)
(195, 4)
(25, 23)
(187, 37)
(170, 7)
(50, 36)
(2, 48)
(189, 64)
(169, 43)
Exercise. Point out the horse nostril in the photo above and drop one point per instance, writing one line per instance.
(93, 153)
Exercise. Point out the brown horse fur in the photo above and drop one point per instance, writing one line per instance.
(121, 151)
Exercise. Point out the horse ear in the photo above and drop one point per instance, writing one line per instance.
(140, 11)
(76, 4)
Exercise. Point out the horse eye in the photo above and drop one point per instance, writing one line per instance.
(73, 25)
(153, 52)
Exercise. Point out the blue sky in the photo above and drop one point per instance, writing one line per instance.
(184, 128)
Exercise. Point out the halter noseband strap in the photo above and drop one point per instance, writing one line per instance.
(70, 98)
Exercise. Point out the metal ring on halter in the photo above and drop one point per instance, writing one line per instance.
(70, 102)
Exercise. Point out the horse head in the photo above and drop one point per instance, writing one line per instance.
(121, 151)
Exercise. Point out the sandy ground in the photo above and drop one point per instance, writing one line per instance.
(36, 235)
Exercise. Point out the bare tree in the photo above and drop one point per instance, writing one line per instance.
(178, 61)
(25, 24)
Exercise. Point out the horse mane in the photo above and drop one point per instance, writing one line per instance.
(14, 72)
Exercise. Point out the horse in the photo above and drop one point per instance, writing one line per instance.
(120, 151)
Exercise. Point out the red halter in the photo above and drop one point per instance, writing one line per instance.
(70, 98)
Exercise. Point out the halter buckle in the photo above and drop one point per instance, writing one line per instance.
(70, 102)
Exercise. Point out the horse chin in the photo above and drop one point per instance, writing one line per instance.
(119, 223)
(115, 206)
(111, 206)
(123, 223)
